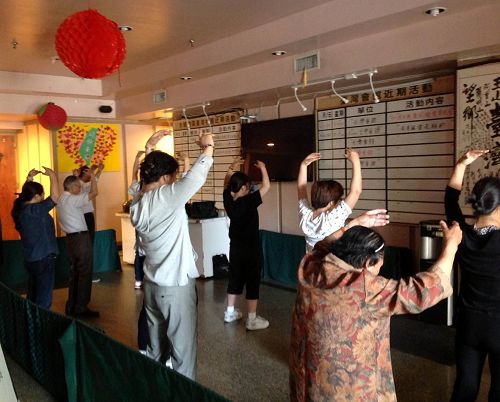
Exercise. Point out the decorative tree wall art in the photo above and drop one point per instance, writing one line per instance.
(88, 144)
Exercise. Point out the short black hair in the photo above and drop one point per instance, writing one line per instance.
(157, 164)
(359, 245)
(29, 190)
(238, 180)
(485, 196)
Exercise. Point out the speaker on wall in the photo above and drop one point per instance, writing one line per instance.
(105, 109)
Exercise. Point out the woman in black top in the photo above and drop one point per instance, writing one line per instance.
(478, 325)
(244, 249)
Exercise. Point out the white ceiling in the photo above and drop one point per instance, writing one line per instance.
(159, 49)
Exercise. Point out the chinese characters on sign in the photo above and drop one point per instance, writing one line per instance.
(227, 136)
(479, 121)
(405, 145)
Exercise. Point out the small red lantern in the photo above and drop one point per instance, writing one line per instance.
(51, 116)
(90, 45)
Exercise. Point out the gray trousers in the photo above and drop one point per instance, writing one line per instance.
(172, 321)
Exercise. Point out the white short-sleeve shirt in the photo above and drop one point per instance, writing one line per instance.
(326, 223)
(70, 212)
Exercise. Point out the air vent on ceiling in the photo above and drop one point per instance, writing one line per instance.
(160, 96)
(309, 61)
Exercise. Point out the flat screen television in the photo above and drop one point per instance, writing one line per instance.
(281, 144)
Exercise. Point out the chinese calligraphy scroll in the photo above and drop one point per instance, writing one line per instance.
(478, 121)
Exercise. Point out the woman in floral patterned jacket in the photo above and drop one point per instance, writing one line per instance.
(340, 348)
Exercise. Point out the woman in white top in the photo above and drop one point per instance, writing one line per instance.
(327, 211)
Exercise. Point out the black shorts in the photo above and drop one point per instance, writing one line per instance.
(244, 270)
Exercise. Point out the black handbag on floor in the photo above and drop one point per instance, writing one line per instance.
(221, 266)
(201, 210)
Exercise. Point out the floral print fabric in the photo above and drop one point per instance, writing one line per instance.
(340, 348)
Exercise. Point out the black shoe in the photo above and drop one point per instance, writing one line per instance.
(88, 314)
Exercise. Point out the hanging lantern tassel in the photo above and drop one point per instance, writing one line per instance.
(51, 116)
(90, 45)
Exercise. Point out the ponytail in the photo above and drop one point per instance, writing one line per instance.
(29, 190)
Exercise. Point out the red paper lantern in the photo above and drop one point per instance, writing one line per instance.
(90, 45)
(51, 116)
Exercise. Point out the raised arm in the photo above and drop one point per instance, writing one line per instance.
(93, 186)
(416, 293)
(54, 183)
(135, 167)
(206, 143)
(456, 179)
(369, 219)
(266, 183)
(185, 161)
(98, 170)
(32, 173)
(302, 178)
(234, 166)
(356, 181)
(154, 139)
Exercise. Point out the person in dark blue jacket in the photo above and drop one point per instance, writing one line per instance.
(36, 227)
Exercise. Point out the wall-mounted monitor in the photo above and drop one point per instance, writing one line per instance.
(281, 144)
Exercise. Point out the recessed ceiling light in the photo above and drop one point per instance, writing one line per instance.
(278, 53)
(435, 11)
(125, 28)
(186, 78)
(270, 144)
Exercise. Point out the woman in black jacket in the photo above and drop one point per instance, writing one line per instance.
(478, 325)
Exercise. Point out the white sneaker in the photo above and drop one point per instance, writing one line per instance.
(138, 285)
(257, 323)
(234, 316)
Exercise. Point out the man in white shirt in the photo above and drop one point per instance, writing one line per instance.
(88, 209)
(72, 221)
(159, 216)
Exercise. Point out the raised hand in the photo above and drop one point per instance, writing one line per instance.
(205, 140)
(452, 235)
(471, 155)
(237, 162)
(351, 155)
(156, 137)
(315, 156)
(47, 171)
(373, 218)
(260, 165)
(33, 172)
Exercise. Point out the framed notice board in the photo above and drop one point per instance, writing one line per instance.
(478, 122)
(227, 136)
(406, 145)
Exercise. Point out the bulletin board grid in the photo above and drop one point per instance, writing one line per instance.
(406, 146)
(227, 140)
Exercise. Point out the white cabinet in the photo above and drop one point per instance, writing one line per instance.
(128, 238)
(209, 237)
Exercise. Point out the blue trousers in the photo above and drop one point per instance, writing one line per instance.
(41, 280)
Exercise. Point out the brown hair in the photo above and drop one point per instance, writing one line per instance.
(325, 191)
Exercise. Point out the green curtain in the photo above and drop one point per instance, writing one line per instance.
(281, 255)
(14, 275)
(99, 368)
(29, 334)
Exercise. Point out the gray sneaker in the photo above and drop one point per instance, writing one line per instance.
(257, 323)
(234, 316)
